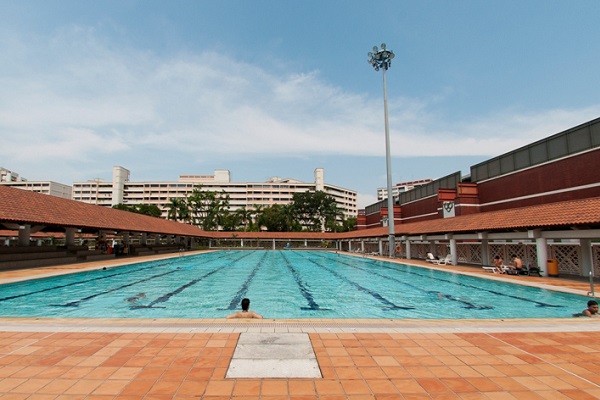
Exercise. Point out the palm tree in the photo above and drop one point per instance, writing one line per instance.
(245, 216)
(257, 215)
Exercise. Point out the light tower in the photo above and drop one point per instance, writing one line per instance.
(382, 60)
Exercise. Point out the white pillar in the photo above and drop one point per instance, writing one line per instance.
(241, 242)
(453, 252)
(273, 244)
(541, 249)
(587, 263)
(362, 246)
(407, 245)
(380, 247)
(485, 248)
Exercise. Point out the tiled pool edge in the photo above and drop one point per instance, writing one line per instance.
(297, 326)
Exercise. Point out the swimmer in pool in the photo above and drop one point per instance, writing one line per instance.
(245, 313)
(136, 298)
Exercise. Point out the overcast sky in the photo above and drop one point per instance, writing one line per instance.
(279, 88)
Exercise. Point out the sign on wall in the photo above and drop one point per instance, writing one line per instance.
(448, 207)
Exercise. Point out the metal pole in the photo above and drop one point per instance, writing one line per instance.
(382, 59)
(388, 160)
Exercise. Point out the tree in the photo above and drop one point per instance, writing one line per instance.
(145, 209)
(257, 217)
(315, 210)
(178, 210)
(245, 217)
(229, 221)
(207, 208)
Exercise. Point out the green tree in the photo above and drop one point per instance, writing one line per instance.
(349, 224)
(145, 209)
(207, 208)
(178, 210)
(229, 221)
(245, 217)
(315, 211)
(257, 217)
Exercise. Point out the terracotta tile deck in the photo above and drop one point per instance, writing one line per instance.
(359, 359)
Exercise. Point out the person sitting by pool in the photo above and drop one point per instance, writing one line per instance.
(498, 265)
(245, 313)
(516, 264)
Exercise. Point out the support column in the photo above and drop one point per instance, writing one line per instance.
(144, 238)
(273, 244)
(24, 235)
(587, 259)
(362, 246)
(453, 252)
(407, 245)
(241, 242)
(70, 236)
(305, 243)
(541, 248)
(485, 248)
(380, 247)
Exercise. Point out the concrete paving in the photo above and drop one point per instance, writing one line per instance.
(277, 355)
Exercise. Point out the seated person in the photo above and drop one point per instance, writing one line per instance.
(498, 265)
(245, 313)
(517, 263)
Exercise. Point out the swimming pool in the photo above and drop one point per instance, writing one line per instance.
(280, 284)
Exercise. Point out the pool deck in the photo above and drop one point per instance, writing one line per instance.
(359, 359)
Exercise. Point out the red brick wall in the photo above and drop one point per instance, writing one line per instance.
(575, 171)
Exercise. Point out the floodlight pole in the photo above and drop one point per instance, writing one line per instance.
(382, 59)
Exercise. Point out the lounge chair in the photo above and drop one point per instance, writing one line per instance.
(431, 258)
(530, 271)
(444, 261)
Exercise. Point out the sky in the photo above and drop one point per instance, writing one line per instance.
(279, 88)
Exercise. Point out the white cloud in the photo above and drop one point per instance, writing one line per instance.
(93, 96)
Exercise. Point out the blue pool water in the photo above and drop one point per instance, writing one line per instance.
(280, 284)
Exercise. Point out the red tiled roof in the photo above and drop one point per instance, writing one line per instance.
(23, 206)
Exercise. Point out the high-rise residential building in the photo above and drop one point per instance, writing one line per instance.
(10, 178)
(275, 190)
(401, 188)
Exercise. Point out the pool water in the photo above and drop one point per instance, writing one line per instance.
(280, 284)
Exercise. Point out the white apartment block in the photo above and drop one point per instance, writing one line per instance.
(401, 187)
(242, 194)
(9, 178)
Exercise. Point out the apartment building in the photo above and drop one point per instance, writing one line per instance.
(275, 190)
(401, 188)
(11, 178)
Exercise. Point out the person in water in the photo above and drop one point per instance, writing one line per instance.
(245, 313)
(136, 298)
(591, 311)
